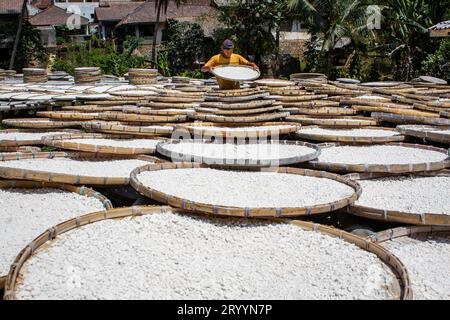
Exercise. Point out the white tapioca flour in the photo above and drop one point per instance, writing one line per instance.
(171, 256)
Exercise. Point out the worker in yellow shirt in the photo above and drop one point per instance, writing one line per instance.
(227, 57)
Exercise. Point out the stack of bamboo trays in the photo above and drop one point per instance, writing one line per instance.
(34, 75)
(251, 105)
(142, 76)
(87, 75)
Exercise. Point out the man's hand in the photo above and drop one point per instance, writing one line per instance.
(254, 66)
(207, 69)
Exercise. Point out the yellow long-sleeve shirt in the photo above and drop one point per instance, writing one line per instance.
(220, 59)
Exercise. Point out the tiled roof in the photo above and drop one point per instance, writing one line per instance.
(11, 6)
(55, 16)
(146, 13)
(41, 4)
(116, 11)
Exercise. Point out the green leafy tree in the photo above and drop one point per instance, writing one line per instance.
(253, 25)
(186, 44)
(438, 63)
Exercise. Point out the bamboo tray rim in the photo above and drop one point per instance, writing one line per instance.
(338, 138)
(241, 162)
(400, 232)
(389, 168)
(189, 205)
(50, 234)
(422, 218)
(45, 176)
(82, 190)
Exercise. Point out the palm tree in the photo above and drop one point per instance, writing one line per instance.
(159, 6)
(331, 21)
(407, 32)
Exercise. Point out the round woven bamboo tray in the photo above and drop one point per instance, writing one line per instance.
(421, 218)
(236, 99)
(242, 119)
(405, 112)
(325, 111)
(88, 192)
(67, 115)
(93, 108)
(425, 107)
(351, 139)
(39, 123)
(64, 142)
(165, 105)
(402, 119)
(46, 176)
(211, 129)
(311, 104)
(162, 148)
(274, 83)
(26, 142)
(234, 92)
(445, 114)
(246, 73)
(173, 99)
(159, 112)
(341, 122)
(239, 111)
(34, 75)
(120, 128)
(386, 168)
(130, 117)
(238, 106)
(188, 205)
(400, 232)
(16, 273)
(428, 133)
(303, 76)
(302, 98)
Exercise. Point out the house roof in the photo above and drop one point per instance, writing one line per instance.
(188, 9)
(11, 6)
(441, 25)
(115, 11)
(56, 16)
(41, 4)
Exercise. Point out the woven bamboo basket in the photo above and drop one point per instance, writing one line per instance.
(421, 218)
(326, 111)
(238, 106)
(402, 119)
(120, 128)
(27, 142)
(88, 192)
(46, 176)
(239, 111)
(351, 139)
(34, 75)
(211, 129)
(390, 168)
(188, 205)
(39, 123)
(235, 99)
(341, 122)
(130, 117)
(64, 142)
(67, 115)
(428, 133)
(16, 272)
(242, 162)
(242, 119)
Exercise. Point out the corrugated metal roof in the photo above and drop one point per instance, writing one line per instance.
(441, 25)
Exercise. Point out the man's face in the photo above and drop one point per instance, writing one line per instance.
(227, 52)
